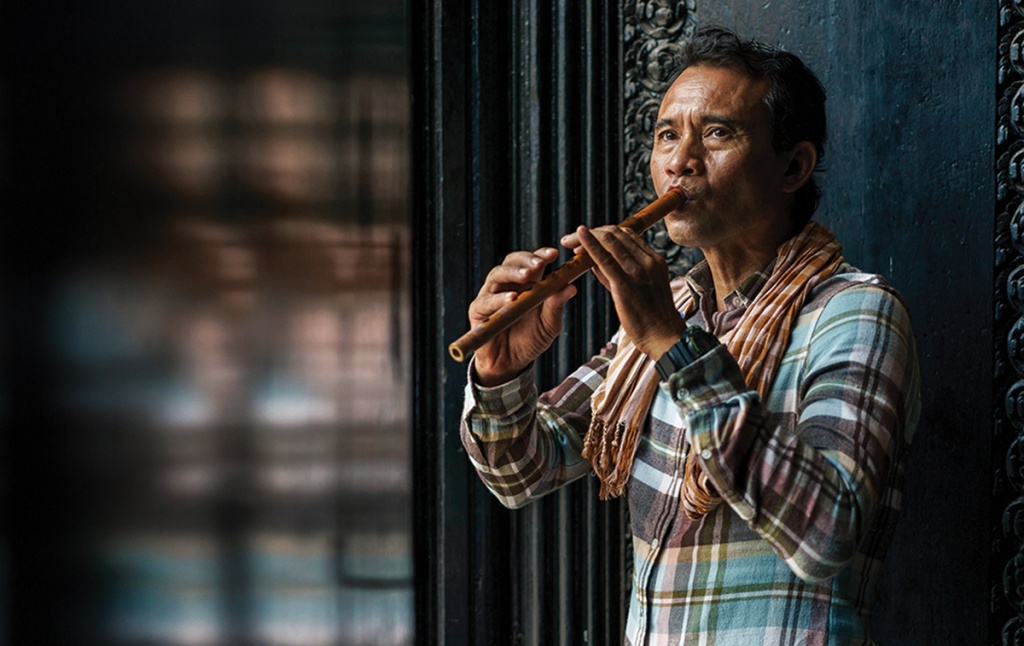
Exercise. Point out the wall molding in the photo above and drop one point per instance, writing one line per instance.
(651, 37)
(1006, 624)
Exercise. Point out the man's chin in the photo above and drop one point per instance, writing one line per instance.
(682, 230)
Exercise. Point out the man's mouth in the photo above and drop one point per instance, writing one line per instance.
(688, 194)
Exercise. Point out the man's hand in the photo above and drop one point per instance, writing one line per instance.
(637, 277)
(513, 350)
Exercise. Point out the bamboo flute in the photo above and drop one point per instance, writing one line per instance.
(557, 279)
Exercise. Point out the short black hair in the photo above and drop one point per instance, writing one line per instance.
(795, 98)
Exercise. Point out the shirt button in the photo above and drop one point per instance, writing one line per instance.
(682, 393)
(706, 454)
(654, 543)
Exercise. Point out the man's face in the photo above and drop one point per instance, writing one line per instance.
(713, 138)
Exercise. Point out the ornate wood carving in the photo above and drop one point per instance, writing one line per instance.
(1007, 619)
(652, 31)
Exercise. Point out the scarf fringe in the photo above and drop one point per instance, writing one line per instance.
(697, 494)
(604, 449)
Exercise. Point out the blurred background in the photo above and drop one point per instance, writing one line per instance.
(208, 310)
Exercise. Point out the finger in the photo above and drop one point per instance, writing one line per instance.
(562, 296)
(551, 311)
(530, 259)
(632, 253)
(603, 258)
(623, 244)
(571, 241)
(487, 304)
(636, 242)
(546, 254)
(519, 270)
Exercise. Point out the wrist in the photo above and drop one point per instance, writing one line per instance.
(655, 346)
(489, 378)
(691, 345)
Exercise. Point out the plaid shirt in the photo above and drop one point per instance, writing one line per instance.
(811, 478)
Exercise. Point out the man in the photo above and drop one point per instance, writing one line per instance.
(756, 413)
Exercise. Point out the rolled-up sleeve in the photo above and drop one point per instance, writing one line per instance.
(813, 490)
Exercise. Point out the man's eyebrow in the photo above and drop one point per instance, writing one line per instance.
(719, 119)
(704, 120)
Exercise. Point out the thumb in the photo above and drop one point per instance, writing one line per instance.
(551, 310)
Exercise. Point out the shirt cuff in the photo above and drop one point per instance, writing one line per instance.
(503, 399)
(711, 380)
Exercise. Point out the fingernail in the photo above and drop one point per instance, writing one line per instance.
(522, 271)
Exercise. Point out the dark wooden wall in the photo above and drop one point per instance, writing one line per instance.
(517, 138)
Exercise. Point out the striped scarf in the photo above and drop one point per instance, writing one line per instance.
(621, 403)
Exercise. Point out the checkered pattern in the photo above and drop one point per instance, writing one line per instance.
(811, 477)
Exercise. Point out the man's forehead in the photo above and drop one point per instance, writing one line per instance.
(715, 89)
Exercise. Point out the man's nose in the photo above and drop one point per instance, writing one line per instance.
(686, 158)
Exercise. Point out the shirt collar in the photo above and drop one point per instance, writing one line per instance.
(702, 287)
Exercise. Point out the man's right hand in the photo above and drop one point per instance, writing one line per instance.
(513, 350)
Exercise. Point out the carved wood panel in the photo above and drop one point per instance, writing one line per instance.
(652, 32)
(1007, 619)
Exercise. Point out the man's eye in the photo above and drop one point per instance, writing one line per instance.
(718, 133)
(665, 135)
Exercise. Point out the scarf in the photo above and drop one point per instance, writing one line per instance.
(758, 342)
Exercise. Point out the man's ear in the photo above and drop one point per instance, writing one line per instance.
(803, 159)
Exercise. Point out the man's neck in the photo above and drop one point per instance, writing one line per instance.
(735, 260)
(727, 273)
